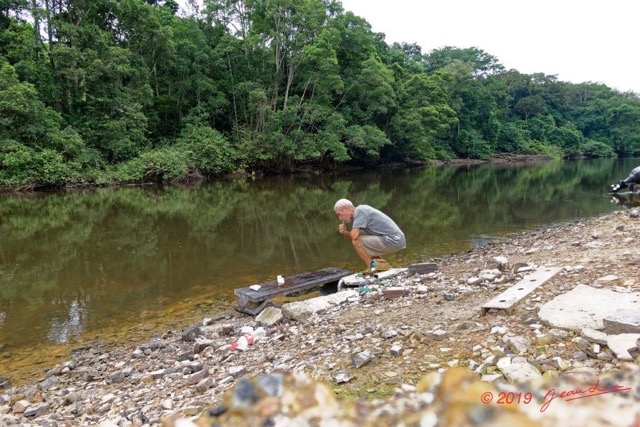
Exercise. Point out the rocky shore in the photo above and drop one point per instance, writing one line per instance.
(410, 349)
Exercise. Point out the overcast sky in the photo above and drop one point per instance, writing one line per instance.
(577, 40)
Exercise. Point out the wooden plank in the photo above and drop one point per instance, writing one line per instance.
(510, 297)
(299, 282)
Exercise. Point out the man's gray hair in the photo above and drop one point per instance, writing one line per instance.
(342, 203)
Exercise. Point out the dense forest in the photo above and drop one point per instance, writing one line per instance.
(103, 91)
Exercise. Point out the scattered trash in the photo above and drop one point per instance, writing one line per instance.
(255, 287)
(243, 342)
(259, 334)
(280, 280)
(364, 289)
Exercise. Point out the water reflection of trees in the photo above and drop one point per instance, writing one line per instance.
(111, 251)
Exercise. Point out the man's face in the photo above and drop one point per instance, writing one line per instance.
(344, 214)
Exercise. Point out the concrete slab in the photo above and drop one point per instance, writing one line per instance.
(622, 322)
(270, 316)
(620, 345)
(300, 310)
(586, 307)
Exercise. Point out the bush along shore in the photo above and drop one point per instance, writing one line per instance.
(410, 349)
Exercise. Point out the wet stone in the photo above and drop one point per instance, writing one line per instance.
(152, 345)
(191, 334)
(4, 382)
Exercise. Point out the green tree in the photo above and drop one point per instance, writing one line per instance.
(424, 118)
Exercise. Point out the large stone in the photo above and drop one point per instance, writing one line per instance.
(586, 307)
(300, 310)
(622, 322)
(270, 316)
(518, 344)
(499, 262)
(361, 359)
(620, 345)
(519, 372)
(423, 268)
(595, 337)
(393, 293)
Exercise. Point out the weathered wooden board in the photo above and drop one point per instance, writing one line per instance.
(510, 297)
(249, 300)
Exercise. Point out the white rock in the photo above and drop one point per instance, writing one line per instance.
(620, 345)
(585, 307)
(520, 372)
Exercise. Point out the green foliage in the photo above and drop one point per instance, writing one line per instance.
(157, 165)
(512, 137)
(25, 166)
(128, 90)
(424, 118)
(567, 138)
(208, 151)
(539, 147)
(365, 140)
(595, 149)
(470, 144)
(199, 149)
(23, 116)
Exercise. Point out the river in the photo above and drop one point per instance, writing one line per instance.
(119, 264)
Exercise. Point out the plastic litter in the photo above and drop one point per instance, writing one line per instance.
(243, 342)
(259, 334)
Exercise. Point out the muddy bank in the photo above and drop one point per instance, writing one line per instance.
(375, 345)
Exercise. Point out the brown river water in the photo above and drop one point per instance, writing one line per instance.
(118, 265)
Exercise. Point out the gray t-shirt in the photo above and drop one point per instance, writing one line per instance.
(372, 221)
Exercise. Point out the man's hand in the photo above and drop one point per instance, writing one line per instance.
(342, 228)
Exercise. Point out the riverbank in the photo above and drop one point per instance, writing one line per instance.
(425, 323)
(194, 179)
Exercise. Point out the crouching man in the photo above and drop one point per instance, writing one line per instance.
(373, 233)
(630, 181)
